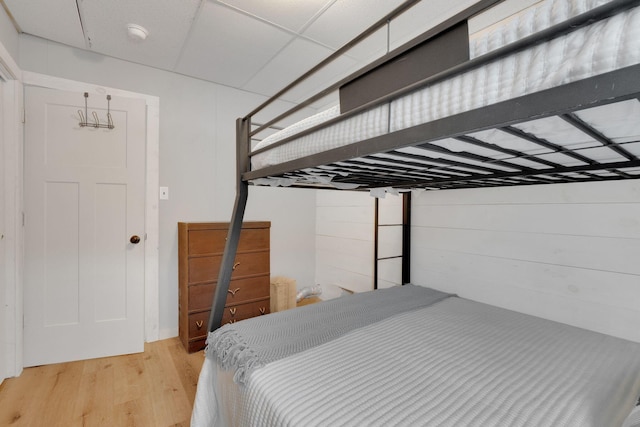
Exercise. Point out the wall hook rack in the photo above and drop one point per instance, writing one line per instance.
(96, 121)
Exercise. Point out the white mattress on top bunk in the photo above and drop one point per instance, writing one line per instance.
(454, 363)
(604, 46)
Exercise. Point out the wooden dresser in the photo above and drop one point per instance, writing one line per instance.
(200, 249)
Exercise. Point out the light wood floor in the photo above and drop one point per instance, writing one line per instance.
(151, 389)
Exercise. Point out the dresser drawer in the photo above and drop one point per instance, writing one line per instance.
(206, 268)
(200, 296)
(196, 344)
(202, 242)
(198, 324)
(245, 311)
(240, 290)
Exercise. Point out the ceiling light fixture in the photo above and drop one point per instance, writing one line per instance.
(137, 32)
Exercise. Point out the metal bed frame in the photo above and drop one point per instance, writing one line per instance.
(405, 251)
(561, 101)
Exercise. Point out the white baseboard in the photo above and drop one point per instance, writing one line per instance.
(164, 334)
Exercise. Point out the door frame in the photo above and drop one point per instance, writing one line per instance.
(12, 139)
(93, 328)
(13, 102)
(14, 113)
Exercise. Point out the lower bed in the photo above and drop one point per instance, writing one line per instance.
(429, 359)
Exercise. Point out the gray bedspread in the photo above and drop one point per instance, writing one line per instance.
(252, 343)
(457, 363)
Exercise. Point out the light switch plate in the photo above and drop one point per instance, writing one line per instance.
(164, 193)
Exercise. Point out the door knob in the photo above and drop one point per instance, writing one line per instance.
(134, 239)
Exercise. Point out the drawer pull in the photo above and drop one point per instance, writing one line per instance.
(199, 323)
(233, 311)
(235, 265)
(262, 310)
(233, 292)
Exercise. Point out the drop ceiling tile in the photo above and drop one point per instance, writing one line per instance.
(370, 48)
(294, 60)
(105, 24)
(332, 73)
(344, 20)
(228, 47)
(55, 20)
(301, 55)
(290, 63)
(291, 14)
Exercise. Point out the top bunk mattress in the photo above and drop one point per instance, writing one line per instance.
(607, 45)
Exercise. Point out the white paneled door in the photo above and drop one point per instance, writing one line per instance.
(84, 212)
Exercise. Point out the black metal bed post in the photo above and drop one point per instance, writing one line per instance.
(376, 236)
(235, 227)
(406, 237)
(405, 257)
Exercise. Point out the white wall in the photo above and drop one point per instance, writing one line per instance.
(567, 252)
(344, 239)
(345, 227)
(197, 160)
(8, 35)
(11, 170)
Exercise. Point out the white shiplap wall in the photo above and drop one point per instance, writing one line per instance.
(566, 252)
(344, 239)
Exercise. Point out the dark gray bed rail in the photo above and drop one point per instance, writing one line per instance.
(454, 20)
(618, 85)
(605, 11)
(562, 101)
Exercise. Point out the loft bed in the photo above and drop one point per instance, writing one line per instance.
(553, 100)
(567, 125)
